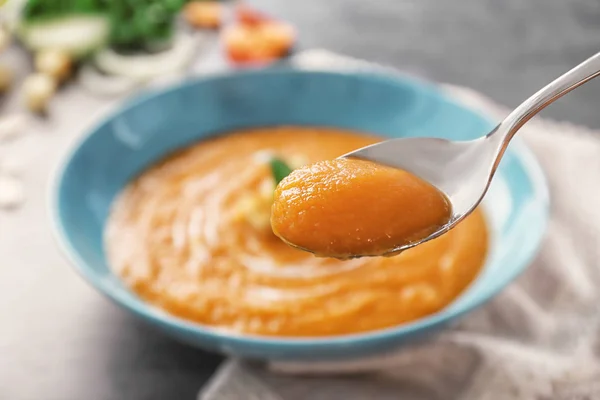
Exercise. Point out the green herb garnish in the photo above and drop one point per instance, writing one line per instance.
(279, 169)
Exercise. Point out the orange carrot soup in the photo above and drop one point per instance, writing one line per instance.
(192, 236)
(347, 207)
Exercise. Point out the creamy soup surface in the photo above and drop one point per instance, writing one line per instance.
(192, 235)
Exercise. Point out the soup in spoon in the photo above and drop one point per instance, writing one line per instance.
(346, 208)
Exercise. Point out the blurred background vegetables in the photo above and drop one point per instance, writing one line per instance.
(256, 38)
(38, 89)
(204, 14)
(115, 46)
(142, 24)
(111, 48)
(126, 25)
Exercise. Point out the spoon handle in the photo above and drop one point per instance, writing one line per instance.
(582, 73)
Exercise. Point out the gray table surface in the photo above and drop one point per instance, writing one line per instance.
(60, 340)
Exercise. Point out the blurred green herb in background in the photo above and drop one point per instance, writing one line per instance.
(144, 24)
(135, 25)
(44, 9)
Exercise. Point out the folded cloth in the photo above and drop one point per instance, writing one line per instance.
(539, 339)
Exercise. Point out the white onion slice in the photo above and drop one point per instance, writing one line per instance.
(148, 66)
(106, 85)
(77, 35)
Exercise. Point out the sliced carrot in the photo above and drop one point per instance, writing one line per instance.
(266, 41)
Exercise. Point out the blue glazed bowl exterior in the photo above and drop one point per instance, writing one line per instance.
(146, 129)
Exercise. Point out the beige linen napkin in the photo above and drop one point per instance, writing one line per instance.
(539, 339)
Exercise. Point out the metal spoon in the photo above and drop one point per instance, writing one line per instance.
(464, 170)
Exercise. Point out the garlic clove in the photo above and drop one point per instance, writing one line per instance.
(38, 90)
(55, 63)
(12, 194)
(6, 78)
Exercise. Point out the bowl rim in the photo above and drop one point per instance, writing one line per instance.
(161, 318)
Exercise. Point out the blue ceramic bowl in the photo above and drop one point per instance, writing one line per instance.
(146, 129)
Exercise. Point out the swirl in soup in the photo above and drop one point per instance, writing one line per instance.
(192, 236)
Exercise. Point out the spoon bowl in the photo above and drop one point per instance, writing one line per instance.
(463, 170)
(450, 166)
